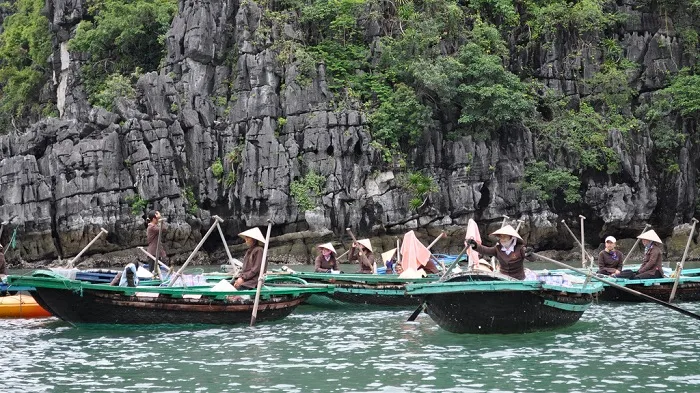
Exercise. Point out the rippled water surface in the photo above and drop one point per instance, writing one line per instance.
(613, 348)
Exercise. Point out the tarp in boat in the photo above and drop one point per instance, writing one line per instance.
(473, 233)
(413, 254)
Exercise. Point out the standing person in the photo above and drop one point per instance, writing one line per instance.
(252, 261)
(610, 259)
(3, 264)
(510, 251)
(651, 265)
(362, 252)
(152, 231)
(326, 261)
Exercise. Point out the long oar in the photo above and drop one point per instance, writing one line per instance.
(72, 261)
(177, 274)
(148, 254)
(583, 249)
(575, 238)
(679, 267)
(634, 247)
(422, 304)
(620, 287)
(261, 276)
(156, 266)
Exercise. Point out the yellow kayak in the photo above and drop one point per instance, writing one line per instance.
(21, 306)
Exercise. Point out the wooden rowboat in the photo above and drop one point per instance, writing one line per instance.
(21, 305)
(79, 302)
(658, 288)
(483, 303)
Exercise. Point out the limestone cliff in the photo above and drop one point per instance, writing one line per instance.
(224, 95)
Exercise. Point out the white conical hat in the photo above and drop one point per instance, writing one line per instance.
(387, 255)
(507, 230)
(253, 233)
(650, 235)
(327, 246)
(366, 243)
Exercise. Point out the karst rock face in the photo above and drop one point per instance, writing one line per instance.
(222, 95)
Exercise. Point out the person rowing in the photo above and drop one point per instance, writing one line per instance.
(362, 252)
(510, 251)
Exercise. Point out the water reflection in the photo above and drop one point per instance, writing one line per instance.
(616, 348)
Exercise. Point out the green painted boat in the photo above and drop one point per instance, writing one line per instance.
(81, 302)
(485, 303)
(360, 289)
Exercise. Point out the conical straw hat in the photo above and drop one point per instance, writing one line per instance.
(650, 235)
(387, 255)
(253, 233)
(507, 230)
(366, 243)
(327, 246)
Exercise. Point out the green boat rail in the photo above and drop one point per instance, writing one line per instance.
(357, 277)
(49, 279)
(491, 286)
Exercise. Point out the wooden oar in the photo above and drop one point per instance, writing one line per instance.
(620, 287)
(634, 247)
(72, 261)
(177, 274)
(583, 249)
(148, 254)
(575, 238)
(156, 266)
(679, 267)
(261, 276)
(422, 305)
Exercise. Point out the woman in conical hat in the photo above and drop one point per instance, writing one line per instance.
(362, 252)
(510, 251)
(252, 261)
(651, 265)
(326, 262)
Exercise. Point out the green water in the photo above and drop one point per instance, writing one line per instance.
(613, 348)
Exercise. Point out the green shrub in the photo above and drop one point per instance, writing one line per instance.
(25, 46)
(306, 190)
(191, 200)
(419, 185)
(217, 169)
(121, 37)
(400, 118)
(137, 204)
(115, 86)
(546, 183)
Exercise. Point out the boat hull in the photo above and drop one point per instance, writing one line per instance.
(657, 288)
(93, 306)
(505, 312)
(21, 306)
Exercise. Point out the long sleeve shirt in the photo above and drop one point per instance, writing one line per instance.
(321, 265)
(512, 264)
(252, 262)
(608, 262)
(366, 259)
(152, 237)
(652, 260)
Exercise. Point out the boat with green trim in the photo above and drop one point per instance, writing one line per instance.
(80, 302)
(659, 288)
(484, 303)
(360, 289)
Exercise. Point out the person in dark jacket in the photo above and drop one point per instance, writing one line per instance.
(610, 259)
(510, 251)
(651, 265)
(152, 231)
(362, 252)
(326, 261)
(252, 261)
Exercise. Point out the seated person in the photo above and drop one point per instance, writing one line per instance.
(509, 251)
(610, 259)
(362, 252)
(651, 265)
(326, 261)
